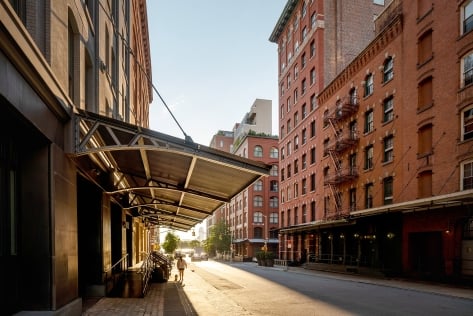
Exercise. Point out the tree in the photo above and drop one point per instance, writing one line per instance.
(219, 238)
(170, 243)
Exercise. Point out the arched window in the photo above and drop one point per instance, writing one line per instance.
(258, 186)
(273, 202)
(274, 153)
(258, 217)
(258, 151)
(258, 201)
(258, 232)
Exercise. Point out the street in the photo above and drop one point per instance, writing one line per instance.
(215, 288)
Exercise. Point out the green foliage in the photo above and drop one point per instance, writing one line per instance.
(170, 243)
(219, 238)
(194, 244)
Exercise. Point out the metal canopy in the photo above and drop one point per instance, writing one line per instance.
(166, 180)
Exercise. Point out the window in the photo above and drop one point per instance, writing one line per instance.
(424, 184)
(296, 166)
(313, 102)
(467, 122)
(326, 143)
(282, 89)
(303, 60)
(303, 86)
(352, 200)
(369, 121)
(273, 218)
(467, 11)
(388, 190)
(304, 9)
(424, 48)
(304, 213)
(304, 186)
(388, 108)
(467, 74)
(289, 148)
(296, 142)
(288, 217)
(258, 186)
(296, 118)
(424, 140)
(296, 72)
(467, 175)
(304, 33)
(274, 170)
(258, 201)
(273, 202)
(295, 95)
(304, 111)
(369, 85)
(304, 161)
(312, 155)
(289, 167)
(313, 20)
(258, 217)
(283, 155)
(289, 80)
(388, 72)
(369, 195)
(312, 76)
(258, 151)
(353, 96)
(369, 151)
(288, 105)
(312, 182)
(325, 117)
(312, 211)
(312, 129)
(296, 189)
(282, 174)
(424, 91)
(304, 136)
(273, 186)
(312, 49)
(388, 143)
(273, 152)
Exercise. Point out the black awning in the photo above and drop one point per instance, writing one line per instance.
(167, 180)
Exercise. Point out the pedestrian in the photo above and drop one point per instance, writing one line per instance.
(181, 265)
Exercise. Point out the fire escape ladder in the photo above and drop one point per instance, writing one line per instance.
(337, 196)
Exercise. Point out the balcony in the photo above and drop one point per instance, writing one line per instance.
(345, 140)
(342, 175)
(343, 109)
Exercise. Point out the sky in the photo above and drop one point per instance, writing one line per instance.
(210, 60)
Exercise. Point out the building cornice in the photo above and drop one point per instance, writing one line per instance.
(283, 20)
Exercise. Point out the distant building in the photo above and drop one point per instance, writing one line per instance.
(375, 163)
(253, 215)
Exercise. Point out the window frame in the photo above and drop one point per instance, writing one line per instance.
(467, 121)
(469, 165)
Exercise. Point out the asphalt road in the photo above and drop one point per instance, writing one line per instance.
(215, 288)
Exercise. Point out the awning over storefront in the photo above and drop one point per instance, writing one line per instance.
(166, 180)
(316, 225)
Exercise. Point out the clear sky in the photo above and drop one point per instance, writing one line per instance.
(211, 59)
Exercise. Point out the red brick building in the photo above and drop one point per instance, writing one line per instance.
(253, 214)
(376, 169)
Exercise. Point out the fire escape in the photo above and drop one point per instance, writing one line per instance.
(345, 138)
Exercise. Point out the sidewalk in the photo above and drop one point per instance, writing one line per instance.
(424, 286)
(171, 298)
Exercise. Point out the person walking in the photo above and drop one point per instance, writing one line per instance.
(181, 265)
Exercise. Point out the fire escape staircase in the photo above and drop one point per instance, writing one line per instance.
(344, 140)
